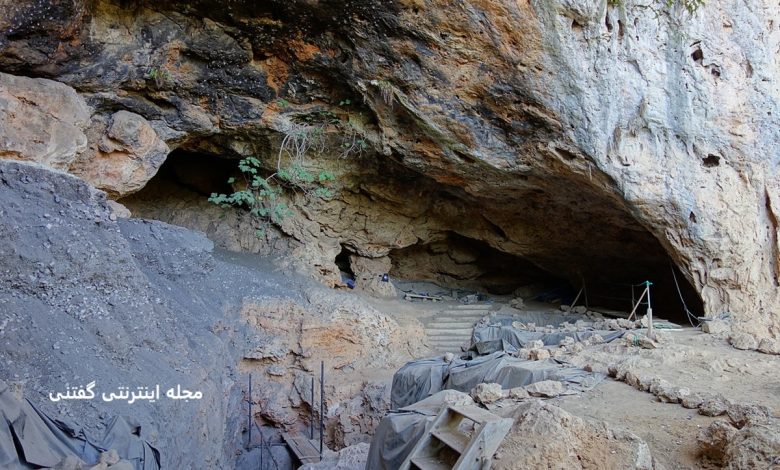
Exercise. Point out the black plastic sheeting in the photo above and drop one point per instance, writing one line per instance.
(400, 430)
(420, 379)
(31, 439)
(521, 338)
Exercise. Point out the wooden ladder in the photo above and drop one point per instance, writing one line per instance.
(447, 444)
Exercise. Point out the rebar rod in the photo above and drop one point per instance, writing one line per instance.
(249, 443)
(322, 403)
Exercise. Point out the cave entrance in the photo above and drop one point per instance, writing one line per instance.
(459, 262)
(178, 194)
(671, 296)
(551, 242)
(601, 281)
(195, 172)
(345, 266)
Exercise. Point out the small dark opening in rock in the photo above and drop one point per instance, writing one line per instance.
(182, 186)
(608, 23)
(715, 71)
(199, 172)
(711, 160)
(697, 56)
(342, 261)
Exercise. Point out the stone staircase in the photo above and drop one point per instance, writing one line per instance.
(451, 328)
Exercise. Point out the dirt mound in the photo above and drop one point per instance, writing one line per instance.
(545, 436)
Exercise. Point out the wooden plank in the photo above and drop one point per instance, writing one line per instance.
(302, 447)
(421, 297)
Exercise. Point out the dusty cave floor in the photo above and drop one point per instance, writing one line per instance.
(669, 429)
(689, 358)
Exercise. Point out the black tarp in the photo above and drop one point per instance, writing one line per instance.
(520, 338)
(31, 439)
(400, 430)
(420, 379)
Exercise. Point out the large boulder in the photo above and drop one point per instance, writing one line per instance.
(41, 121)
(545, 436)
(754, 445)
(125, 152)
(48, 122)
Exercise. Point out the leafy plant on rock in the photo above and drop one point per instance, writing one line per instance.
(690, 5)
(303, 141)
(257, 194)
(160, 75)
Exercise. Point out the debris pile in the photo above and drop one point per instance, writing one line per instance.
(546, 436)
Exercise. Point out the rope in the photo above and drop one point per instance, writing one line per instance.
(688, 313)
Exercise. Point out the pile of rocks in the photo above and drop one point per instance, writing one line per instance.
(708, 404)
(546, 436)
(536, 350)
(750, 438)
(489, 393)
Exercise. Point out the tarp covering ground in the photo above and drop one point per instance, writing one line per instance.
(31, 439)
(401, 429)
(520, 338)
(420, 379)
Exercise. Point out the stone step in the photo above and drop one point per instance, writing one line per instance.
(450, 324)
(449, 331)
(446, 346)
(475, 307)
(474, 318)
(457, 341)
(449, 337)
(458, 315)
(476, 313)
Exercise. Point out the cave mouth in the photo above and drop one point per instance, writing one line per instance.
(599, 259)
(343, 263)
(458, 262)
(602, 282)
(202, 173)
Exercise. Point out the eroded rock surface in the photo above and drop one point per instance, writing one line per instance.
(594, 140)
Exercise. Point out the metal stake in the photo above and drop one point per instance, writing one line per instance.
(311, 417)
(578, 297)
(322, 403)
(650, 333)
(249, 444)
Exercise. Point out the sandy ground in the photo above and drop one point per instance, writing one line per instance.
(702, 363)
(689, 358)
(669, 430)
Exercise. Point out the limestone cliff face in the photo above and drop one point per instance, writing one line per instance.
(588, 138)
